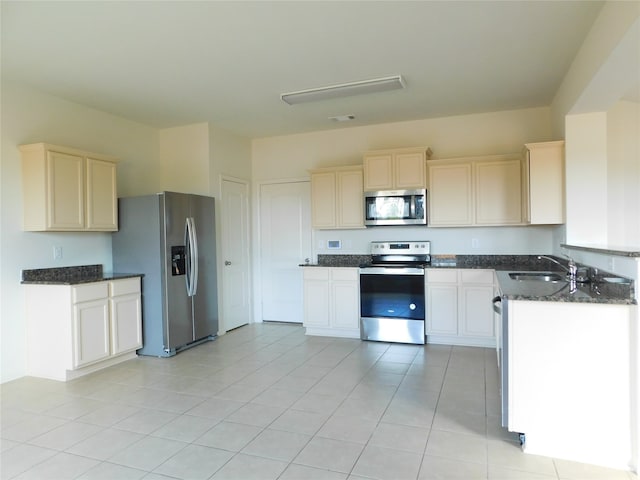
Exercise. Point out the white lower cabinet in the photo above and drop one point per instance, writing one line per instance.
(73, 330)
(332, 301)
(459, 308)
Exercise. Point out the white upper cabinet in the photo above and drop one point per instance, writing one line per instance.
(337, 198)
(468, 191)
(543, 183)
(401, 169)
(65, 189)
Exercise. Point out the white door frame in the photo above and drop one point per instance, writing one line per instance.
(257, 270)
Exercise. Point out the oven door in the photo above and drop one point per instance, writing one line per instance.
(392, 304)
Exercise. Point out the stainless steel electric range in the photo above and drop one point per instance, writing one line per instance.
(392, 296)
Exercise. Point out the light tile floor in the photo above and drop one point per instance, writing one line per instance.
(267, 402)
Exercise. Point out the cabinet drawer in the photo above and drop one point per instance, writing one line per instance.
(348, 274)
(441, 276)
(316, 273)
(477, 276)
(90, 291)
(124, 287)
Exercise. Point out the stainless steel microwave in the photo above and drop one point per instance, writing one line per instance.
(395, 207)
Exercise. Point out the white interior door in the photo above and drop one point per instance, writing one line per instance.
(285, 242)
(236, 289)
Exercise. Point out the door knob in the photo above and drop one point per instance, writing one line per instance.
(227, 262)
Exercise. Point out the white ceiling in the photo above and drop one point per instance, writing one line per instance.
(166, 63)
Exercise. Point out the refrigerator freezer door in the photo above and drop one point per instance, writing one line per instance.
(205, 302)
(178, 329)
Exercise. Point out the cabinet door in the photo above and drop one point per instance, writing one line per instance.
(450, 194)
(476, 311)
(409, 170)
(345, 298)
(316, 297)
(498, 192)
(102, 208)
(544, 171)
(126, 323)
(323, 200)
(442, 310)
(350, 199)
(378, 172)
(65, 191)
(345, 304)
(90, 332)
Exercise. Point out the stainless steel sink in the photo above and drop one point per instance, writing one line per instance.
(537, 276)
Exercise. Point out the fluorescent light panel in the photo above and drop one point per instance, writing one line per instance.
(344, 90)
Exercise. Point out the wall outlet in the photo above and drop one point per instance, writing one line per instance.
(57, 253)
(612, 264)
(475, 243)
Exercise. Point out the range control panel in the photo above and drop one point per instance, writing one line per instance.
(422, 247)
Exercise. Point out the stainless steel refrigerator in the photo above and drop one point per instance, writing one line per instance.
(170, 238)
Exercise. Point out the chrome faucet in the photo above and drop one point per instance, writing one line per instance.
(572, 269)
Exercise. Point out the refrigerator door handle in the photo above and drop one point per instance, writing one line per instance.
(187, 255)
(194, 257)
(191, 256)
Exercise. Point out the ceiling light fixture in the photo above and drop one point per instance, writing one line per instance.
(344, 90)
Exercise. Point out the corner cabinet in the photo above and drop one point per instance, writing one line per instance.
(332, 301)
(459, 308)
(543, 183)
(65, 189)
(337, 199)
(73, 330)
(400, 169)
(475, 191)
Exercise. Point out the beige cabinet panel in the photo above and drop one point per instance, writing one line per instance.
(399, 169)
(442, 310)
(350, 199)
(544, 183)
(102, 211)
(468, 191)
(126, 323)
(459, 308)
(323, 200)
(90, 332)
(450, 194)
(337, 199)
(476, 311)
(332, 301)
(498, 192)
(378, 172)
(316, 297)
(65, 189)
(409, 170)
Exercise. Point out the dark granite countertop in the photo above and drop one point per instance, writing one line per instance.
(71, 275)
(600, 291)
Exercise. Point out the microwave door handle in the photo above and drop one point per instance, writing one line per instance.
(413, 206)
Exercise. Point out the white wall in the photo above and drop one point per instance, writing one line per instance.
(623, 174)
(29, 116)
(184, 158)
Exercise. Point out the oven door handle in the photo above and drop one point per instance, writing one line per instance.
(391, 271)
